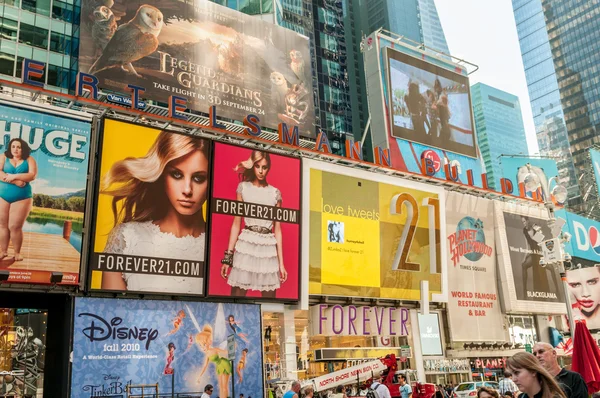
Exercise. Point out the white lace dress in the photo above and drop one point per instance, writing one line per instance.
(146, 239)
(255, 261)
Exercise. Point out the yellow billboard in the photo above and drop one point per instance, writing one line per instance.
(372, 235)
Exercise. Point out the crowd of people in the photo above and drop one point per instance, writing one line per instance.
(527, 375)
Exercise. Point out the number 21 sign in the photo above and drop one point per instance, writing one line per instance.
(371, 235)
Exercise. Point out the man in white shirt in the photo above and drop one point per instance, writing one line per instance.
(381, 389)
(207, 391)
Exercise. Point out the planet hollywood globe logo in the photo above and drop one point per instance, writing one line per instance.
(469, 241)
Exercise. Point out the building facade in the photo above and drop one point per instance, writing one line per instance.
(43, 30)
(500, 129)
(560, 67)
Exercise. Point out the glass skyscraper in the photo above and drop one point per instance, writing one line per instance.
(500, 129)
(561, 59)
(43, 30)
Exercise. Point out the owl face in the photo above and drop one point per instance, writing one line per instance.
(152, 18)
(102, 13)
(295, 55)
(277, 79)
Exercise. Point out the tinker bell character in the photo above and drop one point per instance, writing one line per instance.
(177, 322)
(237, 330)
(218, 356)
(170, 358)
(241, 365)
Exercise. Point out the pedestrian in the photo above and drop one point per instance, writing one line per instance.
(381, 390)
(506, 384)
(485, 392)
(208, 389)
(308, 392)
(294, 390)
(241, 395)
(439, 392)
(340, 392)
(405, 389)
(531, 378)
(571, 382)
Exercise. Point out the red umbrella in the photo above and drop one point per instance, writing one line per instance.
(586, 357)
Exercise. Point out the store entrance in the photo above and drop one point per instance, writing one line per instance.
(32, 336)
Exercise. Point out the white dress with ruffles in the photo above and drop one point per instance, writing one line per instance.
(146, 239)
(255, 261)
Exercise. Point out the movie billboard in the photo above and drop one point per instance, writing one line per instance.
(534, 173)
(121, 345)
(430, 105)
(373, 236)
(150, 231)
(595, 159)
(207, 53)
(44, 166)
(255, 224)
(519, 232)
(473, 303)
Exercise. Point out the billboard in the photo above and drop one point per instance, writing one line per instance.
(429, 104)
(150, 231)
(473, 302)
(207, 53)
(585, 237)
(371, 235)
(583, 280)
(167, 344)
(595, 159)
(255, 224)
(407, 154)
(44, 166)
(525, 284)
(430, 335)
(534, 173)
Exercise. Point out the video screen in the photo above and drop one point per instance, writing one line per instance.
(430, 105)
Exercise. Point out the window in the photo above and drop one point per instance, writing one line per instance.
(62, 11)
(34, 36)
(8, 29)
(58, 76)
(60, 43)
(41, 7)
(7, 64)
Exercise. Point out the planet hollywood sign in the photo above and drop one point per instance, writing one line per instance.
(287, 136)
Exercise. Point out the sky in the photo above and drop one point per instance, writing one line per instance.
(490, 42)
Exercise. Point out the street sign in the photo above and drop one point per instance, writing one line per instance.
(231, 347)
(405, 351)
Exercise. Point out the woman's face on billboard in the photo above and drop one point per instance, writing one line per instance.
(261, 169)
(584, 285)
(186, 183)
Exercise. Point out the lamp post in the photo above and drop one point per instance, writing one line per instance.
(553, 251)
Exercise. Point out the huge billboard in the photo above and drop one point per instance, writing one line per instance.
(585, 237)
(429, 104)
(595, 159)
(43, 177)
(255, 224)
(165, 346)
(207, 53)
(534, 173)
(525, 284)
(473, 302)
(150, 231)
(371, 235)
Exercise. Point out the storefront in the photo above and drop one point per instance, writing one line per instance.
(488, 369)
(32, 335)
(446, 371)
(307, 344)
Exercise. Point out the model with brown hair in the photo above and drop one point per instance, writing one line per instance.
(254, 256)
(531, 378)
(160, 197)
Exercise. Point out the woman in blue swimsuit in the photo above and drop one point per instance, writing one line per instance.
(17, 171)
